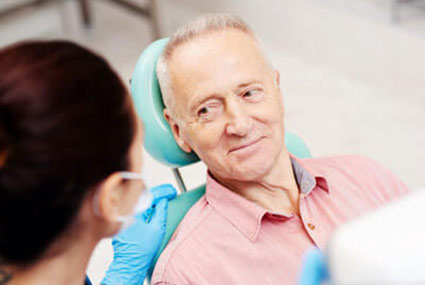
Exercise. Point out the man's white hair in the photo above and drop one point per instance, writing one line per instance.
(203, 25)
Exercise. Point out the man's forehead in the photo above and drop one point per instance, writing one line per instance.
(215, 62)
(195, 87)
(215, 54)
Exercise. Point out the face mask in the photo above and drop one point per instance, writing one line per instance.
(144, 202)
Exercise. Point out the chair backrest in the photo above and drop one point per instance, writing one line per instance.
(159, 140)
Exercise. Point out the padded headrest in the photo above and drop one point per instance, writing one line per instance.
(159, 140)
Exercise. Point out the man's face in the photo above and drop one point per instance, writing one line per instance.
(227, 104)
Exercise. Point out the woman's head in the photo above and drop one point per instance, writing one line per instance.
(67, 127)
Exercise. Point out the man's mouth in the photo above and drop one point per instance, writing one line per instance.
(245, 145)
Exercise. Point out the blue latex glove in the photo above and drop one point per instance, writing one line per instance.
(314, 271)
(136, 246)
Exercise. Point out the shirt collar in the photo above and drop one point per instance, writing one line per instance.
(307, 178)
(245, 215)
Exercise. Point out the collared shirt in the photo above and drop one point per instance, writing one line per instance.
(226, 239)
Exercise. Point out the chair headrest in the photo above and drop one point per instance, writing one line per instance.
(158, 138)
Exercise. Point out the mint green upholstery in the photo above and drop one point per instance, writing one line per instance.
(159, 141)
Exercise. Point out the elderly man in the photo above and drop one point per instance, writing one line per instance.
(263, 208)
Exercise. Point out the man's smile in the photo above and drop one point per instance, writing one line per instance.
(246, 146)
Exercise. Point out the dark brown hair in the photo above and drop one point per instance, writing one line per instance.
(66, 123)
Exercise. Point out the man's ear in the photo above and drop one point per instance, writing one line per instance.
(277, 81)
(110, 197)
(277, 78)
(176, 131)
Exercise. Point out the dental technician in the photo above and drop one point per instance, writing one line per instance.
(70, 169)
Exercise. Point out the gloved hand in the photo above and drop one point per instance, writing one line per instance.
(314, 270)
(136, 246)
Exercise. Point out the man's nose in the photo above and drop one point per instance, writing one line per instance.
(239, 122)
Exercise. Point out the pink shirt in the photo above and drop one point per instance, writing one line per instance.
(226, 239)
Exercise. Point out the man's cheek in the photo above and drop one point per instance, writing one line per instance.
(268, 115)
(201, 141)
(274, 113)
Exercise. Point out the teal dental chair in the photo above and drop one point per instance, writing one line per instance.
(159, 140)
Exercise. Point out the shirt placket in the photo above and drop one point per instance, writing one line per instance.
(308, 222)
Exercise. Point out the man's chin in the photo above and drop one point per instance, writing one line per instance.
(252, 173)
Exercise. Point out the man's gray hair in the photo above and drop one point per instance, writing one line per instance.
(203, 25)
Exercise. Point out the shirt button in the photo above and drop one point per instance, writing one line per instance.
(311, 226)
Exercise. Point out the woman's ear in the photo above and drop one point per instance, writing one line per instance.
(109, 197)
(176, 131)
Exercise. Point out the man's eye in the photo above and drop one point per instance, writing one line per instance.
(203, 111)
(209, 111)
(253, 93)
(249, 93)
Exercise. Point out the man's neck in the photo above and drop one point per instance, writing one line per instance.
(276, 192)
(67, 267)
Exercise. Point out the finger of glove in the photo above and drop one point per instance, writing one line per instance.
(159, 216)
(145, 216)
(166, 191)
(314, 270)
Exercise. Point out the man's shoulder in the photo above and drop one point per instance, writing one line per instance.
(345, 165)
(366, 173)
(337, 160)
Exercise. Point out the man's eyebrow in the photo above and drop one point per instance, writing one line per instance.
(248, 83)
(193, 104)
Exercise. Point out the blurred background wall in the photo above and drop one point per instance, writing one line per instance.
(352, 72)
